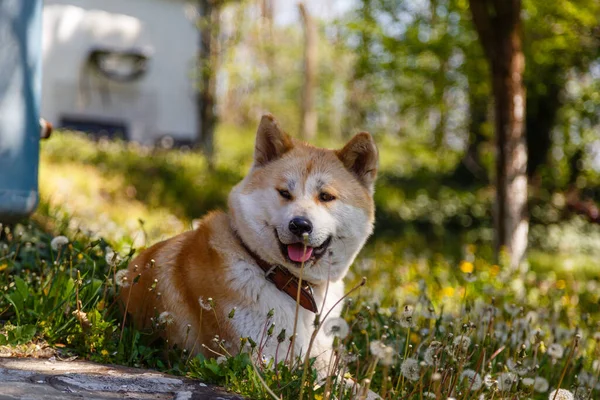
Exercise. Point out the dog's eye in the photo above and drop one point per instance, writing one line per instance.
(285, 194)
(326, 197)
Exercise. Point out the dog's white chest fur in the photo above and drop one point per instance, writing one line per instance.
(251, 318)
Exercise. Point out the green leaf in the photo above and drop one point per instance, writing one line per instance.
(21, 287)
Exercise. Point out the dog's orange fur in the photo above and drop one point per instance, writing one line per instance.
(186, 267)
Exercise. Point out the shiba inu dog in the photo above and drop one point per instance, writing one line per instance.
(301, 212)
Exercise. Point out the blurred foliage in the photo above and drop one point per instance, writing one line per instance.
(137, 195)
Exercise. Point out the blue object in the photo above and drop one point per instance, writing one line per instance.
(20, 89)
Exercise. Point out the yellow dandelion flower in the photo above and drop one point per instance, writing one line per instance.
(561, 284)
(104, 353)
(3, 267)
(448, 291)
(467, 267)
(80, 256)
(494, 270)
(414, 338)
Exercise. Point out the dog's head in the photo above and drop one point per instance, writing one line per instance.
(301, 204)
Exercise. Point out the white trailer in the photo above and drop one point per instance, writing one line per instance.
(121, 68)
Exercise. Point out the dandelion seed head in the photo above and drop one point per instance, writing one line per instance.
(58, 242)
(561, 394)
(428, 312)
(540, 384)
(585, 379)
(406, 318)
(166, 318)
(462, 342)
(532, 317)
(528, 382)
(121, 278)
(221, 360)
(336, 327)
(556, 351)
(517, 367)
(384, 353)
(488, 381)
(410, 368)
(474, 380)
(506, 381)
(111, 257)
(205, 304)
(512, 309)
(431, 353)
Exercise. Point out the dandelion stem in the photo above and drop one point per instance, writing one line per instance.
(564, 371)
(293, 341)
(125, 315)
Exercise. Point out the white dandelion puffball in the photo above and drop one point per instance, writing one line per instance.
(166, 318)
(556, 351)
(410, 369)
(488, 381)
(204, 304)
(406, 318)
(474, 380)
(560, 394)
(121, 278)
(432, 352)
(385, 354)
(512, 309)
(528, 382)
(58, 242)
(517, 367)
(506, 381)
(462, 342)
(336, 327)
(111, 257)
(540, 385)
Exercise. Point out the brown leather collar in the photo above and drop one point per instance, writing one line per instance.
(284, 280)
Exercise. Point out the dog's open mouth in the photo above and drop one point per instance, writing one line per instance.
(298, 253)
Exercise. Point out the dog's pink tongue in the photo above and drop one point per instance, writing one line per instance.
(297, 253)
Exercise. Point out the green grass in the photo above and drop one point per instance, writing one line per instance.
(430, 280)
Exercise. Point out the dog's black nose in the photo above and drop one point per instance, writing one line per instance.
(300, 225)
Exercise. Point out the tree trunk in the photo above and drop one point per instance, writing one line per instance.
(209, 25)
(308, 115)
(542, 107)
(498, 24)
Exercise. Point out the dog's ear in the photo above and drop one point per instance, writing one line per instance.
(271, 141)
(360, 156)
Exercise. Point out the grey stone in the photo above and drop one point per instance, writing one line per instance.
(41, 379)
